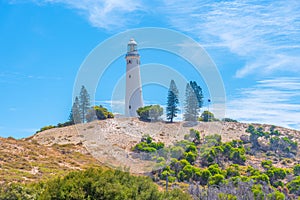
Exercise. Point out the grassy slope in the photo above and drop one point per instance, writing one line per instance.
(23, 161)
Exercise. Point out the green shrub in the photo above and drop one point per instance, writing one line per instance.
(237, 155)
(257, 192)
(140, 146)
(194, 135)
(214, 169)
(276, 195)
(188, 171)
(296, 170)
(278, 183)
(181, 176)
(46, 128)
(232, 171)
(191, 148)
(184, 162)
(294, 186)
(176, 151)
(148, 146)
(165, 173)
(207, 116)
(102, 113)
(223, 196)
(252, 171)
(261, 178)
(160, 159)
(190, 157)
(157, 146)
(213, 140)
(276, 174)
(148, 139)
(149, 149)
(92, 184)
(258, 195)
(266, 164)
(205, 175)
(152, 112)
(216, 179)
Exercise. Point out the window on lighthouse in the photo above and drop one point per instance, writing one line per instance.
(129, 61)
(129, 107)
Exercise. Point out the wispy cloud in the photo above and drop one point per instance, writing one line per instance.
(107, 14)
(269, 101)
(8, 76)
(265, 33)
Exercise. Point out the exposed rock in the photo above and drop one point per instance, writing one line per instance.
(245, 138)
(263, 143)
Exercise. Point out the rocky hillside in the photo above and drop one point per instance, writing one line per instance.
(110, 141)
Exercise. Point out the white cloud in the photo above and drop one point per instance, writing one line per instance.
(265, 33)
(269, 101)
(107, 14)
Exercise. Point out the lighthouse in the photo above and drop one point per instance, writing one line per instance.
(133, 96)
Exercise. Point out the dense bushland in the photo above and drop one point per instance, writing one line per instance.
(91, 184)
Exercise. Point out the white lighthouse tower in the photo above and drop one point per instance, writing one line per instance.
(133, 98)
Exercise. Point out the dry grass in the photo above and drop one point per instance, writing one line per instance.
(23, 161)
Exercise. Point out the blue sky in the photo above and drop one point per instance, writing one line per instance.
(255, 45)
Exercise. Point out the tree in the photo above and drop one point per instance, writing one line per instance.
(90, 115)
(191, 104)
(198, 92)
(98, 112)
(172, 103)
(102, 113)
(152, 112)
(84, 103)
(207, 116)
(75, 117)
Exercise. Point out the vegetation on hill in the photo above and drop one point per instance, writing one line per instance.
(150, 113)
(218, 170)
(191, 104)
(207, 116)
(98, 113)
(94, 183)
(272, 141)
(259, 166)
(82, 111)
(172, 102)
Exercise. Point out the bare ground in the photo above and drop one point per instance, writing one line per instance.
(110, 141)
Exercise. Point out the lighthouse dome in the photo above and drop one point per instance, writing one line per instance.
(132, 48)
(132, 42)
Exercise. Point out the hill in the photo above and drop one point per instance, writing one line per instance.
(110, 141)
(205, 158)
(23, 161)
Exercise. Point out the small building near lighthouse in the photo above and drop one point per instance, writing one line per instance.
(133, 93)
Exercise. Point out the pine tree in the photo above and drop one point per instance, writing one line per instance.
(191, 104)
(74, 117)
(172, 104)
(84, 103)
(198, 92)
